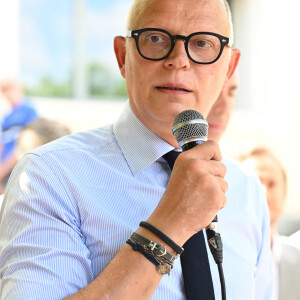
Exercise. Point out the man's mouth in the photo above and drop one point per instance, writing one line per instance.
(215, 126)
(173, 88)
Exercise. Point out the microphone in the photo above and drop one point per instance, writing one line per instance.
(190, 129)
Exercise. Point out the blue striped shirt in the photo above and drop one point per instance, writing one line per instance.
(71, 205)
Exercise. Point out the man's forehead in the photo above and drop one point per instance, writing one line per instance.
(189, 11)
(188, 8)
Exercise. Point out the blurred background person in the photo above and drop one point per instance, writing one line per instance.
(36, 133)
(1, 199)
(220, 113)
(273, 176)
(285, 250)
(22, 112)
(40, 132)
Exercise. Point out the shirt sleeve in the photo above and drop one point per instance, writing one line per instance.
(264, 271)
(43, 252)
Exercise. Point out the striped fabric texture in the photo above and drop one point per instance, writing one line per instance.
(72, 204)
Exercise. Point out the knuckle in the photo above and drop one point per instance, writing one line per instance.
(220, 169)
(195, 166)
(224, 202)
(225, 185)
(217, 193)
(207, 181)
(224, 168)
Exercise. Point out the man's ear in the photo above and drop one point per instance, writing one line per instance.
(234, 61)
(120, 52)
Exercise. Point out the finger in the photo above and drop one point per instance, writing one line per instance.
(220, 195)
(213, 167)
(198, 166)
(209, 150)
(223, 184)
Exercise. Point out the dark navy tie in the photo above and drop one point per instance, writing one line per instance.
(194, 259)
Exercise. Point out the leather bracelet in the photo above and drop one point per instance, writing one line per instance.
(158, 251)
(138, 247)
(179, 250)
(161, 267)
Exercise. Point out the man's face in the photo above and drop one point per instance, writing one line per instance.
(220, 113)
(159, 90)
(271, 176)
(12, 92)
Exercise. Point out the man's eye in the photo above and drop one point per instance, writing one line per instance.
(202, 44)
(155, 39)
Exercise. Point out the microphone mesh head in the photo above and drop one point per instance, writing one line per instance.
(189, 124)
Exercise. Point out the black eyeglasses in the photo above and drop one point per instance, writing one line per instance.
(157, 44)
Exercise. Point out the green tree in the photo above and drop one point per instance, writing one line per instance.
(47, 87)
(102, 82)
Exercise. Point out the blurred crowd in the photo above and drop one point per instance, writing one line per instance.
(22, 128)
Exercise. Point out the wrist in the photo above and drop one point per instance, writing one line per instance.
(174, 230)
(167, 240)
(151, 236)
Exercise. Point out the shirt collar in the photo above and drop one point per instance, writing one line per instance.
(139, 145)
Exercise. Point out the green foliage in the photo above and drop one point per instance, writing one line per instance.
(101, 82)
(47, 87)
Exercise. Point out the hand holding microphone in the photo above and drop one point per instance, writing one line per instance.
(193, 197)
(190, 130)
(196, 189)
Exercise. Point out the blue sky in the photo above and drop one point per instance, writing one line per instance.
(47, 35)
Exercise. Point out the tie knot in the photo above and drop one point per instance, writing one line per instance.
(170, 157)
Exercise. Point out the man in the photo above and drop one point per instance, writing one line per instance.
(220, 113)
(285, 250)
(76, 202)
(22, 112)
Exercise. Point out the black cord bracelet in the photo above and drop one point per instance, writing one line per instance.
(163, 237)
(138, 247)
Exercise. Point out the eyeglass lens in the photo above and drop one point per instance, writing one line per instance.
(201, 47)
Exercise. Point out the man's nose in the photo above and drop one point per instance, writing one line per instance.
(178, 58)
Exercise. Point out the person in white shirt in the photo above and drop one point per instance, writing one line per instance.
(285, 250)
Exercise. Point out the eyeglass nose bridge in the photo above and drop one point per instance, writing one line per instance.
(180, 37)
